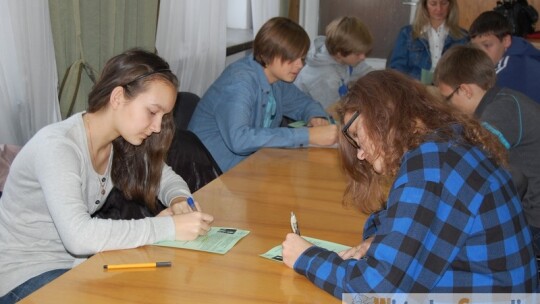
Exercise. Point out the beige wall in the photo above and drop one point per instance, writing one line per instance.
(470, 9)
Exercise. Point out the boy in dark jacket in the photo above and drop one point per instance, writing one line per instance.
(517, 61)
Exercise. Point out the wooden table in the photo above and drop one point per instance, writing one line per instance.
(257, 195)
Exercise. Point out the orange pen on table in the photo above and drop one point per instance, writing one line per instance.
(137, 265)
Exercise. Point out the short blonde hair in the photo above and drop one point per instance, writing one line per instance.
(348, 35)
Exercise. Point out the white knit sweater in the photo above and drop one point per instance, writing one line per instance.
(48, 198)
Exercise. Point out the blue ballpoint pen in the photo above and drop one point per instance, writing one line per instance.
(191, 204)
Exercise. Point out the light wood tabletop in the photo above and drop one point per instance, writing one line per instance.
(257, 195)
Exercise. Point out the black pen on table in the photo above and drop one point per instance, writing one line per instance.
(294, 224)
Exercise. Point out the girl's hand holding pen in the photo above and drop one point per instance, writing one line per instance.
(293, 246)
(190, 225)
(188, 219)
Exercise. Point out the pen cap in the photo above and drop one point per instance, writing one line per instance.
(163, 264)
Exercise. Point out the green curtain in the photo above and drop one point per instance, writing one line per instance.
(87, 33)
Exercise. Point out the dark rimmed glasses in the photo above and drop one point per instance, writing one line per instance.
(449, 97)
(345, 131)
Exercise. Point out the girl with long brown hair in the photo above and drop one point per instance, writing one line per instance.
(65, 172)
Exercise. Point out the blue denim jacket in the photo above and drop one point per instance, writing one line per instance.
(411, 56)
(229, 117)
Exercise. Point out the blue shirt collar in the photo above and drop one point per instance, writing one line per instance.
(261, 76)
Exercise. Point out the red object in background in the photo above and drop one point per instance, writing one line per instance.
(535, 35)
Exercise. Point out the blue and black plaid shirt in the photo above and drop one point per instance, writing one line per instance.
(453, 224)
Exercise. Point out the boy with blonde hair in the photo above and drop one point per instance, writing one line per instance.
(335, 60)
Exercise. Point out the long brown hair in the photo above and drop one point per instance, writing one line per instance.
(452, 20)
(136, 170)
(399, 113)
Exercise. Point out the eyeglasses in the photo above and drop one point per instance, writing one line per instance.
(345, 131)
(449, 97)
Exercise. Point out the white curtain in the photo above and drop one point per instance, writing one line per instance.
(28, 78)
(191, 36)
(309, 17)
(261, 11)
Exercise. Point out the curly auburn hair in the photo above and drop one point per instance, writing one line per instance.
(399, 114)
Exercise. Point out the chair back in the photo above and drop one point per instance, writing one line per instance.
(186, 102)
(188, 157)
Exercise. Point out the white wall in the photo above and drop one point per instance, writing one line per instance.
(413, 4)
(239, 14)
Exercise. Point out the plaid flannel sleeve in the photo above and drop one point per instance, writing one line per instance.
(370, 226)
(421, 245)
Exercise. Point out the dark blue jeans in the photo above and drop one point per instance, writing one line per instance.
(33, 284)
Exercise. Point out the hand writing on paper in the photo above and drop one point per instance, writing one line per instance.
(323, 135)
(293, 246)
(190, 225)
(358, 251)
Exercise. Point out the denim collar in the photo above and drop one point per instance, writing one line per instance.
(261, 77)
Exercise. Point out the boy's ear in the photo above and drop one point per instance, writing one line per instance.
(468, 89)
(507, 41)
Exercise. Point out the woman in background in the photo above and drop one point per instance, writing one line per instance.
(452, 220)
(419, 46)
(65, 172)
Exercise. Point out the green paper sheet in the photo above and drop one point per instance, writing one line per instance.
(275, 253)
(218, 240)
